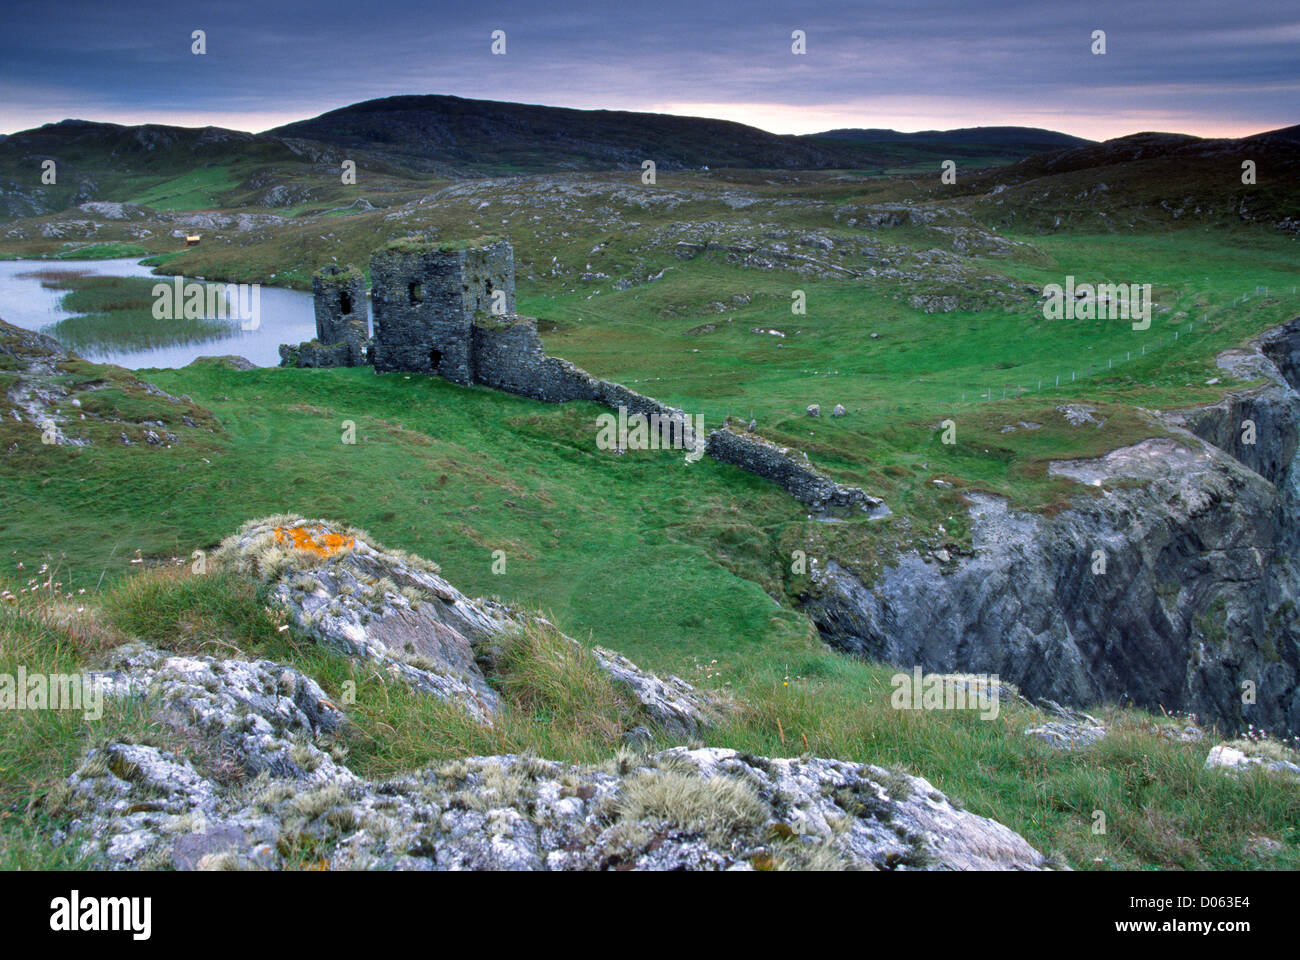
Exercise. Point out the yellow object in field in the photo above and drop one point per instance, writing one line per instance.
(192, 241)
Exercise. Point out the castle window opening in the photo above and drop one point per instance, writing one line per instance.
(417, 293)
(345, 302)
(435, 359)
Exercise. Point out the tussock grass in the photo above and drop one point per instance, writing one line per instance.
(545, 674)
(40, 748)
(214, 613)
(719, 807)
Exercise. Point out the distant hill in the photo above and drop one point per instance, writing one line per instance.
(1283, 133)
(1146, 178)
(406, 137)
(478, 134)
(1022, 139)
(968, 146)
(413, 138)
(108, 161)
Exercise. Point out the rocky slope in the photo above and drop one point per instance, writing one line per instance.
(251, 772)
(1197, 601)
(138, 806)
(53, 396)
(1145, 179)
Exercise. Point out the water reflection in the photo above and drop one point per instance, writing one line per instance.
(284, 316)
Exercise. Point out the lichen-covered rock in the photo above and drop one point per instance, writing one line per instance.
(261, 715)
(367, 602)
(673, 703)
(715, 809)
(248, 775)
(394, 609)
(1069, 729)
(1230, 759)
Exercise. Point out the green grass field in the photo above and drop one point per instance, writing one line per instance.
(199, 189)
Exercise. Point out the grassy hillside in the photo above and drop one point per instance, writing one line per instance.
(682, 291)
(663, 561)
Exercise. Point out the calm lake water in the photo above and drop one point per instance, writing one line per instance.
(286, 316)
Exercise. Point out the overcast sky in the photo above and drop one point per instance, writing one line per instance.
(1208, 67)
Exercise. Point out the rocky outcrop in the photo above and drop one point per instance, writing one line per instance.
(1195, 611)
(244, 765)
(1067, 729)
(392, 608)
(1231, 759)
(287, 801)
(55, 396)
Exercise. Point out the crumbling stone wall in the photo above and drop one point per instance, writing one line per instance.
(313, 353)
(508, 355)
(792, 472)
(426, 296)
(342, 337)
(448, 309)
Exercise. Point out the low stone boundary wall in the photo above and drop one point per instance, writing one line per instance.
(508, 356)
(792, 472)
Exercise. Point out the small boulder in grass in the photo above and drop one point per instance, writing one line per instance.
(839, 410)
(814, 410)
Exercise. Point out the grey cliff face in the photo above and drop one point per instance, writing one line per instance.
(1198, 532)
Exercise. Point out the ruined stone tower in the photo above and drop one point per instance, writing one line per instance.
(341, 326)
(426, 295)
(340, 302)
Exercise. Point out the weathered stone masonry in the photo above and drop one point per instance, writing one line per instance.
(792, 472)
(339, 299)
(449, 310)
(425, 298)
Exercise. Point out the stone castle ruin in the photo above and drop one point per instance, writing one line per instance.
(427, 297)
(447, 309)
(342, 339)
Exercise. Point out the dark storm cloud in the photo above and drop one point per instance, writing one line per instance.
(1209, 67)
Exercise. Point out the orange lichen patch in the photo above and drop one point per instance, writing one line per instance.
(317, 540)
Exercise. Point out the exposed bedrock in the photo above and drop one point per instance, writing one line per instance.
(1196, 608)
